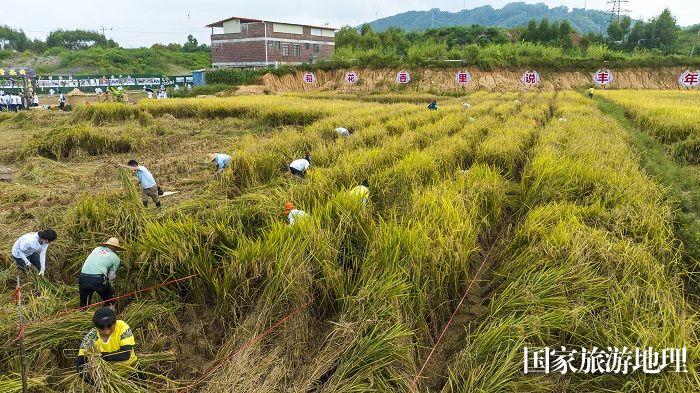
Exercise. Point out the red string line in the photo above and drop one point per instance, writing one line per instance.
(430, 355)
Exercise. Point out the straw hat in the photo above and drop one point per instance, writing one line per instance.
(211, 157)
(114, 242)
(288, 207)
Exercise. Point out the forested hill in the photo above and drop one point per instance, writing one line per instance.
(511, 15)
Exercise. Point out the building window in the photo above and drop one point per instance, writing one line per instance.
(278, 44)
(317, 48)
(285, 50)
(270, 44)
(297, 50)
(306, 46)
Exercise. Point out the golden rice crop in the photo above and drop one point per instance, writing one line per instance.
(587, 254)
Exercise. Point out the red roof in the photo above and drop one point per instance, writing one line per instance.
(249, 20)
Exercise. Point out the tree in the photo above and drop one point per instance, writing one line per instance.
(664, 31)
(347, 37)
(191, 45)
(530, 34)
(11, 39)
(591, 39)
(618, 31)
(78, 39)
(543, 31)
(565, 32)
(638, 37)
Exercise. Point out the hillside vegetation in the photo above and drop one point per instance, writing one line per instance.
(511, 15)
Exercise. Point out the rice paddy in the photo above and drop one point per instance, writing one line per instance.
(353, 297)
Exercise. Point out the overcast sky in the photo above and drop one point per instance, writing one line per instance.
(134, 23)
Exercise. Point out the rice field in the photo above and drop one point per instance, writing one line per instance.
(536, 202)
(672, 118)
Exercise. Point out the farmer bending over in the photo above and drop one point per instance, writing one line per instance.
(299, 167)
(111, 338)
(99, 269)
(221, 160)
(342, 131)
(293, 214)
(30, 249)
(361, 192)
(149, 188)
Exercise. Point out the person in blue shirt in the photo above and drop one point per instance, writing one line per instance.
(221, 160)
(433, 106)
(149, 187)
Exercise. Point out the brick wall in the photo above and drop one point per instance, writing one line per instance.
(254, 51)
(235, 52)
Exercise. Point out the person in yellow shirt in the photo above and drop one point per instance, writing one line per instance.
(110, 337)
(590, 92)
(361, 192)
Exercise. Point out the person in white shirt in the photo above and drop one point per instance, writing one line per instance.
(342, 131)
(30, 249)
(299, 167)
(35, 100)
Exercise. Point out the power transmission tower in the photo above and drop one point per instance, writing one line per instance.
(616, 9)
(103, 28)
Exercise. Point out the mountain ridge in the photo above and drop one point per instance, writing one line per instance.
(511, 15)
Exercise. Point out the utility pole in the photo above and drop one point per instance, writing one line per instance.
(20, 336)
(616, 9)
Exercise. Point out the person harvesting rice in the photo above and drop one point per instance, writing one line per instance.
(30, 249)
(299, 167)
(221, 160)
(293, 214)
(98, 271)
(361, 192)
(149, 187)
(341, 131)
(111, 338)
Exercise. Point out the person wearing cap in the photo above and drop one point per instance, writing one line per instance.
(99, 269)
(342, 131)
(149, 187)
(299, 167)
(293, 214)
(221, 160)
(111, 338)
(361, 192)
(30, 249)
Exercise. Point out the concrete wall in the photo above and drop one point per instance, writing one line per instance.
(232, 26)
